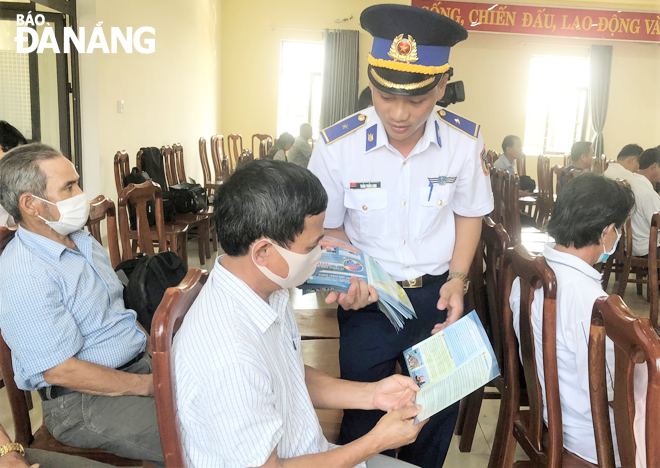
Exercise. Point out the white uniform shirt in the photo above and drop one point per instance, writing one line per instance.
(504, 163)
(617, 171)
(5, 218)
(240, 378)
(647, 203)
(578, 287)
(405, 226)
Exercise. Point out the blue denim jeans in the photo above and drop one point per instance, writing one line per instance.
(122, 425)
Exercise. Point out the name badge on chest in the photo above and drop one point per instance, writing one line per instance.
(364, 185)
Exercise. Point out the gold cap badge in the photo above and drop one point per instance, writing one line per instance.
(404, 50)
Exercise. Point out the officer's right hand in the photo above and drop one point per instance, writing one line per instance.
(359, 295)
(397, 428)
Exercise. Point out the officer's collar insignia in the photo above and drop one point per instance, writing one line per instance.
(343, 128)
(372, 138)
(442, 180)
(460, 123)
(404, 50)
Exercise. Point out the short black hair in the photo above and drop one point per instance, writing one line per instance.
(585, 207)
(266, 198)
(579, 148)
(365, 100)
(630, 150)
(509, 141)
(649, 157)
(10, 137)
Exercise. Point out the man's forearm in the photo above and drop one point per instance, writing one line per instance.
(468, 232)
(86, 377)
(338, 233)
(346, 456)
(328, 392)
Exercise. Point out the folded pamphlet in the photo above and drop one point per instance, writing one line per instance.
(451, 364)
(340, 261)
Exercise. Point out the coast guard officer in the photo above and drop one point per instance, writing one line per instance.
(408, 184)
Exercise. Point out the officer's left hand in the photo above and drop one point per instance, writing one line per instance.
(394, 392)
(359, 295)
(451, 298)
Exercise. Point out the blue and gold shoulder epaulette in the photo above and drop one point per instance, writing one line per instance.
(462, 124)
(343, 128)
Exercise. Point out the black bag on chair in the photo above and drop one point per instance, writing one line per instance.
(169, 211)
(148, 278)
(189, 198)
(152, 164)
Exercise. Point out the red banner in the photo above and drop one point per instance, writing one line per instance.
(549, 21)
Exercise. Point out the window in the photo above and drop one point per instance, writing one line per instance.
(300, 86)
(557, 112)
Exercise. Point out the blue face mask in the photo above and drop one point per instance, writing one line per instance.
(605, 255)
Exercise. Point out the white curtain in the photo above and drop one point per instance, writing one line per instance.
(340, 74)
(600, 67)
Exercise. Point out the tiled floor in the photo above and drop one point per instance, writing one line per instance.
(483, 440)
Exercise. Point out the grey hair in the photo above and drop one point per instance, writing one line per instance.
(20, 173)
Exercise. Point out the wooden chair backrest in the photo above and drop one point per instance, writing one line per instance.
(566, 174)
(653, 268)
(204, 159)
(534, 273)
(493, 246)
(180, 165)
(491, 158)
(234, 142)
(511, 208)
(169, 165)
(544, 201)
(219, 157)
(498, 176)
(167, 320)
(99, 209)
(521, 165)
(139, 195)
(18, 401)
(635, 342)
(245, 156)
(264, 143)
(122, 169)
(567, 160)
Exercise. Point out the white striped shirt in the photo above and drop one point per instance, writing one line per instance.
(240, 378)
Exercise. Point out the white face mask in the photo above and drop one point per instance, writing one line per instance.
(301, 266)
(74, 212)
(605, 255)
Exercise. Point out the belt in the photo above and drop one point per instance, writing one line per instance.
(55, 391)
(422, 281)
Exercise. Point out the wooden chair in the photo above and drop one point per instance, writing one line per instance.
(264, 142)
(168, 163)
(566, 174)
(200, 221)
(20, 403)
(246, 155)
(511, 207)
(167, 235)
(234, 141)
(521, 165)
(653, 269)
(498, 178)
(122, 167)
(635, 342)
(167, 320)
(485, 296)
(179, 162)
(544, 200)
(102, 208)
(210, 184)
(567, 160)
(543, 445)
(491, 158)
(220, 159)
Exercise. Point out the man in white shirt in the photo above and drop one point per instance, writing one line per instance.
(407, 183)
(647, 200)
(244, 396)
(585, 234)
(300, 152)
(627, 163)
(512, 147)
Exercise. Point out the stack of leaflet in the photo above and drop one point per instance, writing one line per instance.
(340, 261)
